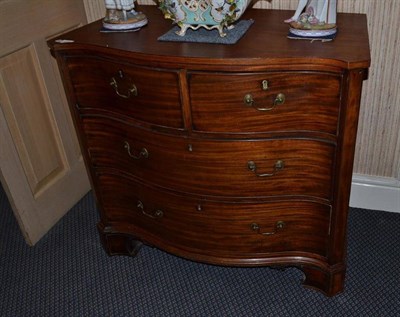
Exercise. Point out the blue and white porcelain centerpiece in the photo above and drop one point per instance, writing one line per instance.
(209, 14)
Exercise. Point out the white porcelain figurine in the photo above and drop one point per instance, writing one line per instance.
(314, 18)
(121, 15)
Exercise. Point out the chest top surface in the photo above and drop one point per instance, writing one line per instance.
(265, 42)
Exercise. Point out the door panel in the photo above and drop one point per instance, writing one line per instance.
(41, 167)
(25, 105)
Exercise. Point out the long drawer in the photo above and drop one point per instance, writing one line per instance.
(265, 102)
(232, 168)
(144, 94)
(233, 228)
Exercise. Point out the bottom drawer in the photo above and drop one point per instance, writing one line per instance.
(214, 228)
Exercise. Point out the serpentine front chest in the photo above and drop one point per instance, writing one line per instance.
(235, 155)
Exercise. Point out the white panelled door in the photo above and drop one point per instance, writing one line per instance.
(41, 167)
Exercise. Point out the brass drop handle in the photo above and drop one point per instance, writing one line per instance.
(279, 225)
(131, 91)
(279, 100)
(279, 165)
(143, 153)
(155, 214)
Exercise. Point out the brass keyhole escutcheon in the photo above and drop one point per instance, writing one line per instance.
(264, 85)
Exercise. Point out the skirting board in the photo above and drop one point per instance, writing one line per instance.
(377, 193)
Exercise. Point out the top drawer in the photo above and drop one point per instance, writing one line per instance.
(144, 94)
(265, 102)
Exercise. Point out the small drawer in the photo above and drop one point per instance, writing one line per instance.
(148, 95)
(265, 102)
(214, 228)
(231, 168)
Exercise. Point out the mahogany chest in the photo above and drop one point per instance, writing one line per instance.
(236, 155)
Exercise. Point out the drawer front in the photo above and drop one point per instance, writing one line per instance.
(144, 94)
(210, 227)
(211, 167)
(265, 102)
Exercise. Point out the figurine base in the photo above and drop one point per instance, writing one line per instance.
(323, 35)
(134, 21)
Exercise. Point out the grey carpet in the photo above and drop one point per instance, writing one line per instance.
(68, 274)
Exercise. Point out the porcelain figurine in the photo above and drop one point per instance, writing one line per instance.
(121, 15)
(314, 18)
(209, 14)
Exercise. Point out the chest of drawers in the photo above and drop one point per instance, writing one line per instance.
(234, 155)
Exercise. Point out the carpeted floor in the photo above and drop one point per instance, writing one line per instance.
(68, 274)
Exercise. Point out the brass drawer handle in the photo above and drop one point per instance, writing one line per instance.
(142, 154)
(279, 165)
(155, 214)
(278, 226)
(249, 101)
(132, 91)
